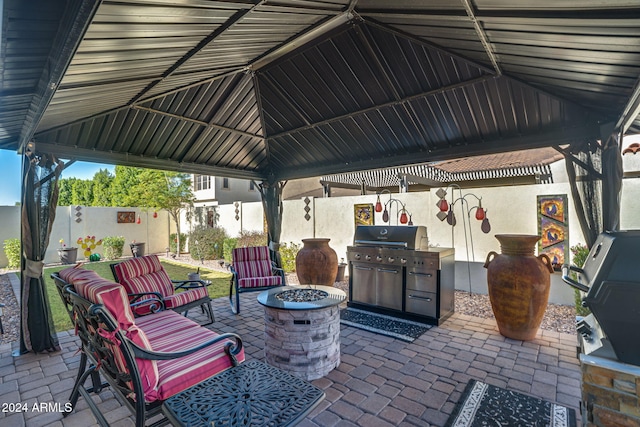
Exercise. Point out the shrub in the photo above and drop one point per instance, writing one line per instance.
(252, 238)
(12, 251)
(227, 249)
(113, 247)
(288, 253)
(579, 255)
(207, 242)
(173, 241)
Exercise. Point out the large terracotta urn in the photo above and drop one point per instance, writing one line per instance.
(519, 285)
(316, 263)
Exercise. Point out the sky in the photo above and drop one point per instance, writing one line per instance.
(10, 164)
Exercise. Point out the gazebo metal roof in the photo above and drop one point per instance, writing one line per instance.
(283, 89)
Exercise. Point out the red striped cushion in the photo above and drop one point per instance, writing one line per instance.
(256, 282)
(178, 374)
(186, 297)
(252, 262)
(116, 301)
(98, 290)
(77, 275)
(144, 274)
(251, 253)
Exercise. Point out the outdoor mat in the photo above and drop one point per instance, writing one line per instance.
(390, 326)
(486, 405)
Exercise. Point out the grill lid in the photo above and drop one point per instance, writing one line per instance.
(610, 278)
(613, 256)
(400, 237)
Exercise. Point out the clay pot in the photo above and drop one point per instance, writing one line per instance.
(316, 263)
(68, 255)
(519, 285)
(137, 249)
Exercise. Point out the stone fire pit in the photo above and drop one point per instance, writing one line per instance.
(302, 329)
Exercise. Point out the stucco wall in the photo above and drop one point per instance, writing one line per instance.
(509, 209)
(98, 222)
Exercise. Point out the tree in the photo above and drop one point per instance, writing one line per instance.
(126, 179)
(82, 192)
(170, 191)
(102, 188)
(65, 192)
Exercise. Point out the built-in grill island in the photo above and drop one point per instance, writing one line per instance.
(393, 271)
(609, 338)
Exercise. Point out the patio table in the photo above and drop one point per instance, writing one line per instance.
(250, 394)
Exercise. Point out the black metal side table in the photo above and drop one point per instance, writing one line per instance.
(250, 394)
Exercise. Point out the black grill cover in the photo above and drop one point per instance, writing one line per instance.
(612, 272)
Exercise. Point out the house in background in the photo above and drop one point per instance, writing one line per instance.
(216, 190)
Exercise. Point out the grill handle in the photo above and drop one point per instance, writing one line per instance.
(569, 281)
(415, 273)
(381, 243)
(411, 296)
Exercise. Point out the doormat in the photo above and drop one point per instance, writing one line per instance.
(486, 405)
(390, 326)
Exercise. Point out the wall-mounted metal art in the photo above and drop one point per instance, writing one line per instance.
(126, 217)
(553, 227)
(363, 214)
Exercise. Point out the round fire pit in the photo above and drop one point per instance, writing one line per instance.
(302, 329)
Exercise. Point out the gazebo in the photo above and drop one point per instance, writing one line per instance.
(273, 90)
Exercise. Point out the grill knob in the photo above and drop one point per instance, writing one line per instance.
(357, 256)
(368, 257)
(403, 260)
(378, 258)
(391, 259)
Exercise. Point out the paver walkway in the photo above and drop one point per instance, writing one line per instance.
(380, 382)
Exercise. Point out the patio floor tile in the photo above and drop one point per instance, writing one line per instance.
(381, 382)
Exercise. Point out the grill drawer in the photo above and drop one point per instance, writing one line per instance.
(423, 303)
(422, 280)
(365, 276)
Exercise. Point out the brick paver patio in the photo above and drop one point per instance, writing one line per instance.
(380, 382)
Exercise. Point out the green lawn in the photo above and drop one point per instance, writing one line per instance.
(219, 285)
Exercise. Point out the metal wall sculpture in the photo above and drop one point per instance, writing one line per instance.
(553, 227)
(125, 217)
(363, 214)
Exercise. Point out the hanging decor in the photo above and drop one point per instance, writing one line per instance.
(553, 227)
(446, 208)
(402, 214)
(465, 204)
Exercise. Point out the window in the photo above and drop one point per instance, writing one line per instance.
(252, 186)
(225, 183)
(201, 182)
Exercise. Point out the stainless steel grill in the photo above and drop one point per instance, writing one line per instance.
(392, 269)
(611, 279)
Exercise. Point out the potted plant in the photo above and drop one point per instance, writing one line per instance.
(137, 248)
(113, 246)
(67, 255)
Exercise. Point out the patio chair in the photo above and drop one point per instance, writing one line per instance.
(143, 360)
(252, 270)
(145, 274)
